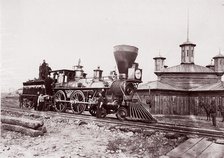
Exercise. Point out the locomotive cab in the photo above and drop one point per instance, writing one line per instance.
(63, 76)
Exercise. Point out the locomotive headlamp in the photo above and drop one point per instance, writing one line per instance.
(129, 89)
(138, 74)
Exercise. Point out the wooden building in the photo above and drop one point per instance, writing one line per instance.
(179, 89)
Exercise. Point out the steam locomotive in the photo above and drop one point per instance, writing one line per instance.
(73, 90)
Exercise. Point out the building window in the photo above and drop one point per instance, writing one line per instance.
(187, 53)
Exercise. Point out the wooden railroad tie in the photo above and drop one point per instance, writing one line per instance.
(25, 126)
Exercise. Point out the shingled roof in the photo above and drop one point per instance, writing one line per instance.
(188, 68)
(157, 85)
(219, 86)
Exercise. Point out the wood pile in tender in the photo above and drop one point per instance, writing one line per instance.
(33, 128)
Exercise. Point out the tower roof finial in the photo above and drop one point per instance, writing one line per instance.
(187, 24)
(219, 51)
(79, 62)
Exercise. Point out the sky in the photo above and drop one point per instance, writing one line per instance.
(62, 31)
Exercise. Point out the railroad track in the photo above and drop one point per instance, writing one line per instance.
(110, 120)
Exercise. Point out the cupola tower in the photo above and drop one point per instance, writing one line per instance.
(187, 52)
(187, 49)
(219, 63)
(159, 63)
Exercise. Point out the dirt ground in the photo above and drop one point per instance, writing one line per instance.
(74, 138)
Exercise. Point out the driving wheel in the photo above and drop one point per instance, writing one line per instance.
(77, 97)
(58, 104)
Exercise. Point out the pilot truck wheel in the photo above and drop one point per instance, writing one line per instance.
(92, 110)
(122, 113)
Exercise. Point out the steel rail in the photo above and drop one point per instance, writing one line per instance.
(156, 126)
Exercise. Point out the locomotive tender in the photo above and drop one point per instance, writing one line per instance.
(74, 91)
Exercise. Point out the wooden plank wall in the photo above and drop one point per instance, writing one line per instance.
(179, 104)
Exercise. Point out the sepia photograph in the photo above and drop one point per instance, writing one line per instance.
(112, 79)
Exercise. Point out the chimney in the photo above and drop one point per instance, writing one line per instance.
(125, 56)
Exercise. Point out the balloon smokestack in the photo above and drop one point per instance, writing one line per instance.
(125, 56)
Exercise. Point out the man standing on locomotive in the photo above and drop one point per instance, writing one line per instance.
(44, 70)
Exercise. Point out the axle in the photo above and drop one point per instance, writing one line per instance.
(75, 102)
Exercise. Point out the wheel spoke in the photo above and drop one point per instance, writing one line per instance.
(77, 108)
(60, 106)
